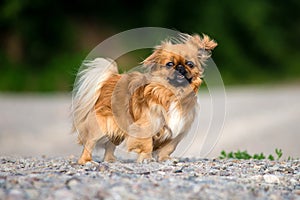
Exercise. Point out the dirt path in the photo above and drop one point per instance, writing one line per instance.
(258, 119)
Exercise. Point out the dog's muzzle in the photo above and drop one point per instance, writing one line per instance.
(180, 77)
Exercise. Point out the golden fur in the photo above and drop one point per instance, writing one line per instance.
(151, 111)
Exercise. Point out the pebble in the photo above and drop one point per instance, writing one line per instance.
(184, 178)
(297, 192)
(15, 194)
(32, 193)
(64, 194)
(271, 179)
(72, 183)
(257, 178)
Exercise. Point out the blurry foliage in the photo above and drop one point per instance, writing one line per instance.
(43, 42)
(244, 155)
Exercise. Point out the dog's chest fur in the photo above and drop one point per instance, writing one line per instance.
(176, 120)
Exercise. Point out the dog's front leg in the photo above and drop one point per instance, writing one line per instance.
(165, 151)
(142, 146)
(141, 132)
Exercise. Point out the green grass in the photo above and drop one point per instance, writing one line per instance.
(244, 155)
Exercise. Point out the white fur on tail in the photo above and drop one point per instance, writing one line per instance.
(89, 80)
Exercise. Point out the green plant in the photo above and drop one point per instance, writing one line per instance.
(244, 155)
(278, 153)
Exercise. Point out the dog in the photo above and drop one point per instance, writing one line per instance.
(152, 111)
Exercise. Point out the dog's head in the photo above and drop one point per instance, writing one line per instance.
(181, 59)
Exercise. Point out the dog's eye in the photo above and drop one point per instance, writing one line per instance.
(190, 64)
(170, 64)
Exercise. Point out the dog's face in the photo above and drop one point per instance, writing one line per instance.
(181, 63)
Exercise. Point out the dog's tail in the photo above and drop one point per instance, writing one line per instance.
(90, 79)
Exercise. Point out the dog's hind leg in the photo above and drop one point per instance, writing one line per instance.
(89, 137)
(86, 155)
(109, 152)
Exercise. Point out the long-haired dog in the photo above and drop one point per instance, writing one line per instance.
(150, 112)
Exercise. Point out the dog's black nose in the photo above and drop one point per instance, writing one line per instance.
(181, 69)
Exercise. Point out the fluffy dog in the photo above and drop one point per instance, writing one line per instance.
(150, 111)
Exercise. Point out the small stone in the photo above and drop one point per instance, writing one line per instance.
(15, 194)
(293, 181)
(2, 194)
(64, 194)
(297, 192)
(91, 164)
(102, 168)
(274, 197)
(102, 194)
(257, 178)
(178, 171)
(274, 168)
(120, 192)
(70, 173)
(170, 162)
(72, 183)
(289, 170)
(224, 173)
(213, 172)
(32, 193)
(175, 161)
(161, 173)
(271, 178)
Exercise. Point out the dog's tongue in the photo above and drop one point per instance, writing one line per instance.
(180, 76)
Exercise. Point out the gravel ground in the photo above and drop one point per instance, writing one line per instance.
(62, 178)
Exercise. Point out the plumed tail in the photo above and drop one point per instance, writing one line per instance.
(90, 79)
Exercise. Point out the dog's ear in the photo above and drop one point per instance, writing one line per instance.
(154, 57)
(204, 45)
(152, 61)
(203, 42)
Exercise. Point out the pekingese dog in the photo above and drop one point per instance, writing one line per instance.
(151, 111)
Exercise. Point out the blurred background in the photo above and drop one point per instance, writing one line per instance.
(42, 44)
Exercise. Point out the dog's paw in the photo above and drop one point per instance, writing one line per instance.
(110, 159)
(145, 158)
(148, 160)
(168, 160)
(163, 158)
(83, 161)
(91, 163)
